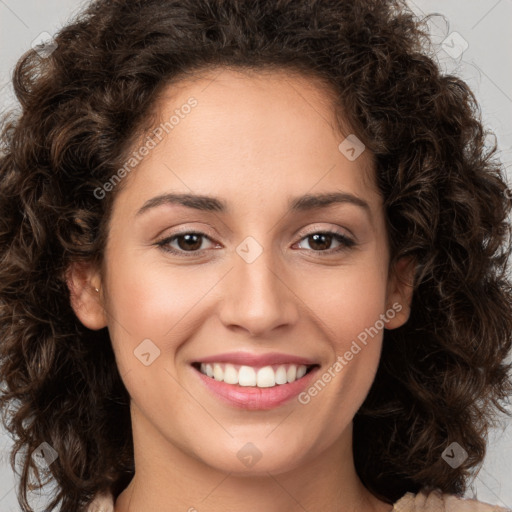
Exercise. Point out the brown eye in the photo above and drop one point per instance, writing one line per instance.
(188, 242)
(191, 242)
(321, 241)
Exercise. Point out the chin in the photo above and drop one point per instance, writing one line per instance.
(252, 459)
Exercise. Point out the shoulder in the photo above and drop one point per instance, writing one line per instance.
(103, 502)
(436, 501)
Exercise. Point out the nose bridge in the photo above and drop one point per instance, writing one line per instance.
(257, 298)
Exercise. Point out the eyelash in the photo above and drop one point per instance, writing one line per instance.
(346, 243)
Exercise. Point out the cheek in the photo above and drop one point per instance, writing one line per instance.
(151, 300)
(349, 311)
(347, 301)
(143, 304)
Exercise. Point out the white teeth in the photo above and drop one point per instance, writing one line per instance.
(246, 376)
(281, 375)
(265, 377)
(291, 374)
(218, 372)
(230, 374)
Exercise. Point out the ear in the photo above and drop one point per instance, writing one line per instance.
(399, 291)
(83, 279)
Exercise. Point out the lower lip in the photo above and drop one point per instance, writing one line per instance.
(254, 398)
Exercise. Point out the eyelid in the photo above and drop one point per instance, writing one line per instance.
(166, 240)
(205, 232)
(332, 229)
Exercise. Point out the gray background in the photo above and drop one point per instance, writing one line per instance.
(472, 39)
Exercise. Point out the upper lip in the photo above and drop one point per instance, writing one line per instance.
(248, 359)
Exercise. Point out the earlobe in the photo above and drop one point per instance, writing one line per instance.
(84, 284)
(400, 291)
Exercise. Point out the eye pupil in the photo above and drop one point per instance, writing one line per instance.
(188, 239)
(317, 236)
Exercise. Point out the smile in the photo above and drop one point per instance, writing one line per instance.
(255, 387)
(261, 377)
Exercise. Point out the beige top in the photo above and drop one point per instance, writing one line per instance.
(409, 502)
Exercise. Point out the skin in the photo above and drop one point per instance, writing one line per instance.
(254, 141)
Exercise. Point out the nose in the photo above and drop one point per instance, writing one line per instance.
(257, 298)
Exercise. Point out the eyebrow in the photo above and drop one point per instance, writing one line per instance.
(303, 203)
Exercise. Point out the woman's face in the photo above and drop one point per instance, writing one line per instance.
(253, 281)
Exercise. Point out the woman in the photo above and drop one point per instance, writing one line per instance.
(253, 257)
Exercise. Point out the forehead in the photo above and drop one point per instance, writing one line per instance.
(257, 99)
(250, 130)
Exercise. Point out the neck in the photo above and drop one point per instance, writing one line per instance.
(169, 478)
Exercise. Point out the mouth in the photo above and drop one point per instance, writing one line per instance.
(268, 376)
(251, 381)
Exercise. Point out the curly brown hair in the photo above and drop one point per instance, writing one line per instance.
(442, 375)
